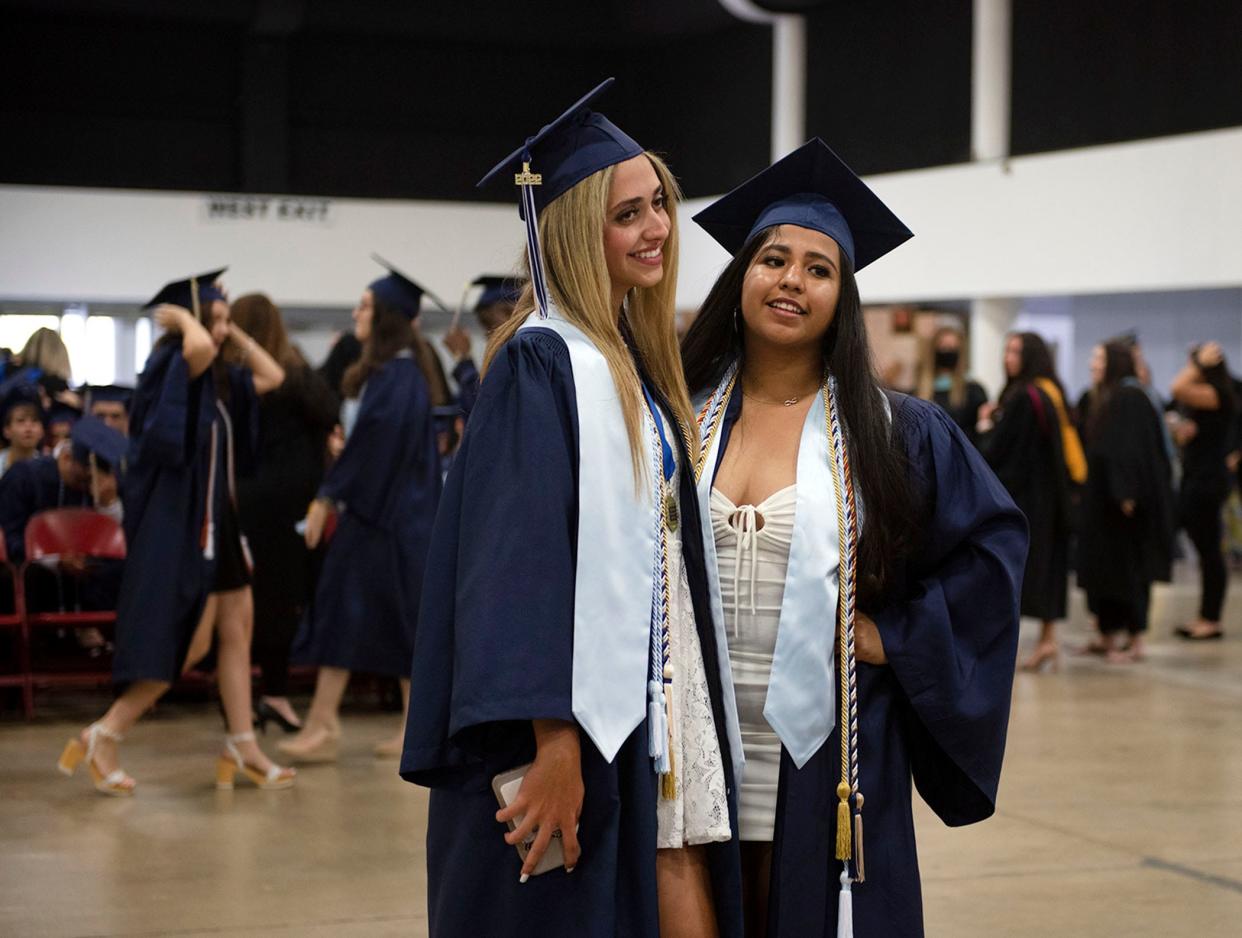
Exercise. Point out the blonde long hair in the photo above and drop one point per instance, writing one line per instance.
(46, 351)
(571, 233)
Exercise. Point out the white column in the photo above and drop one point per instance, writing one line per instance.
(990, 321)
(788, 85)
(126, 365)
(989, 125)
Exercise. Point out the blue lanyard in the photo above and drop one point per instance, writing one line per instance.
(667, 451)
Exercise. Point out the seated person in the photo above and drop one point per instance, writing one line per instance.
(21, 411)
(62, 414)
(79, 474)
(110, 403)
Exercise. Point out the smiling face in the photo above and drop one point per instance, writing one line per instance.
(790, 291)
(635, 227)
(364, 315)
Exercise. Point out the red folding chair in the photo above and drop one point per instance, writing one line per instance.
(57, 533)
(15, 621)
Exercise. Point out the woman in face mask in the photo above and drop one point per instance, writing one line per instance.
(943, 380)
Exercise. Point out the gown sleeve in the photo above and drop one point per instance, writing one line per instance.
(395, 402)
(168, 409)
(951, 636)
(499, 588)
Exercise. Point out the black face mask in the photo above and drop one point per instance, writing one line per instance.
(947, 358)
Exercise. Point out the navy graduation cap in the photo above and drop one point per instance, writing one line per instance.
(572, 147)
(191, 293)
(399, 291)
(108, 392)
(15, 393)
(497, 289)
(92, 436)
(60, 412)
(811, 188)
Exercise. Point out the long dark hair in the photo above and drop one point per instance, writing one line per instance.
(715, 339)
(391, 332)
(1218, 377)
(1118, 365)
(1036, 363)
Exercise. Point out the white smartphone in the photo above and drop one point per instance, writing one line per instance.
(506, 786)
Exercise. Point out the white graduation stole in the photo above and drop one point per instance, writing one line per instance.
(616, 544)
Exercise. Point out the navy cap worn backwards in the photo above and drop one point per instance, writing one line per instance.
(497, 289)
(574, 146)
(91, 435)
(181, 292)
(811, 188)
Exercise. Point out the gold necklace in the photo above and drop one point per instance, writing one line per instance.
(788, 402)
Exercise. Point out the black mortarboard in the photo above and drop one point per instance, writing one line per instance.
(108, 392)
(497, 289)
(572, 147)
(397, 290)
(60, 412)
(91, 435)
(181, 292)
(811, 188)
(15, 393)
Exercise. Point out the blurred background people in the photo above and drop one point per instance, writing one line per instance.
(1023, 436)
(942, 379)
(21, 410)
(493, 308)
(384, 488)
(1126, 534)
(1203, 392)
(294, 423)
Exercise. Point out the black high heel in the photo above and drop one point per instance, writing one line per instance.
(264, 711)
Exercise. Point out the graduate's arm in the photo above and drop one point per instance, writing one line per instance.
(268, 373)
(951, 639)
(16, 493)
(1188, 386)
(197, 346)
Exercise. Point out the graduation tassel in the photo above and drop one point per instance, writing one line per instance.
(668, 780)
(859, 869)
(845, 907)
(843, 821)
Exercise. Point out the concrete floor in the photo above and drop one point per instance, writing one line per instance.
(1120, 814)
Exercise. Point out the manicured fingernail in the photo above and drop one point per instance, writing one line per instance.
(570, 869)
(524, 877)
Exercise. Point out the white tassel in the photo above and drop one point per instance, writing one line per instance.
(845, 907)
(657, 724)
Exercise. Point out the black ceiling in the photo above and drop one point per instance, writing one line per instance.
(407, 98)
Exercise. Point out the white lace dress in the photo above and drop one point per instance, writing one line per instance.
(700, 812)
(752, 553)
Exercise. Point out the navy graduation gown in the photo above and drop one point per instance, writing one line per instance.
(467, 377)
(31, 486)
(388, 477)
(167, 575)
(936, 714)
(494, 651)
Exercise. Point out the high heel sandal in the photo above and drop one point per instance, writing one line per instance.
(116, 783)
(1044, 653)
(265, 712)
(276, 778)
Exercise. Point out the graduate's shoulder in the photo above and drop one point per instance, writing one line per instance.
(919, 421)
(532, 353)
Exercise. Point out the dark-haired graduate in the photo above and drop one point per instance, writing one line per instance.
(565, 630)
(384, 488)
(193, 426)
(866, 563)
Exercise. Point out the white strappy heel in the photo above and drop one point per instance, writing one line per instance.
(116, 783)
(276, 778)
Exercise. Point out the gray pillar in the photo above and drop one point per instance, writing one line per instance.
(126, 357)
(990, 106)
(788, 85)
(990, 321)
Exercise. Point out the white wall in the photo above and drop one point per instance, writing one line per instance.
(1151, 215)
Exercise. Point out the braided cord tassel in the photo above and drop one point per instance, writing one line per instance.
(711, 416)
(660, 680)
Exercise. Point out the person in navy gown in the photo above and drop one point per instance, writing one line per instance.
(845, 513)
(564, 632)
(192, 429)
(496, 301)
(384, 489)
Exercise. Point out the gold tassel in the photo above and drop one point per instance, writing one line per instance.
(668, 781)
(843, 821)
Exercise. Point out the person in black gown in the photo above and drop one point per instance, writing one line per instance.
(1205, 398)
(1021, 438)
(944, 381)
(1126, 535)
(384, 489)
(294, 424)
(193, 427)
